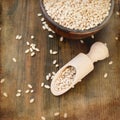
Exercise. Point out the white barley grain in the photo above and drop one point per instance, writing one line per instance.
(31, 91)
(111, 62)
(117, 13)
(50, 36)
(27, 51)
(56, 114)
(81, 41)
(56, 65)
(2, 80)
(27, 91)
(30, 86)
(53, 73)
(51, 51)
(36, 49)
(19, 90)
(32, 54)
(5, 94)
(27, 43)
(14, 59)
(18, 94)
(19, 37)
(32, 100)
(42, 19)
(47, 77)
(39, 14)
(92, 36)
(54, 62)
(43, 118)
(116, 38)
(31, 50)
(55, 52)
(44, 28)
(42, 84)
(47, 86)
(61, 38)
(65, 115)
(105, 75)
(32, 36)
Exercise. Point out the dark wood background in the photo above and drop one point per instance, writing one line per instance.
(95, 98)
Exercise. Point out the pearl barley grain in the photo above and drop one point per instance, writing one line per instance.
(32, 100)
(43, 118)
(2, 80)
(105, 75)
(5, 94)
(65, 115)
(14, 59)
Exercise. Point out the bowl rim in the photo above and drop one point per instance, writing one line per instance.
(49, 19)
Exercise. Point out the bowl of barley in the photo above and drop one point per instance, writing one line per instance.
(76, 19)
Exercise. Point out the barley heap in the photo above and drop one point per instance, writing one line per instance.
(78, 14)
(66, 78)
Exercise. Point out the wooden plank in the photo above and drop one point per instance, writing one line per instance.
(95, 98)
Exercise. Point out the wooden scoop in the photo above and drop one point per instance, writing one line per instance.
(83, 64)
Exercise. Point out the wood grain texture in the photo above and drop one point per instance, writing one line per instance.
(95, 98)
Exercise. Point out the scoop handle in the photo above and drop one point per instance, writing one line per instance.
(98, 51)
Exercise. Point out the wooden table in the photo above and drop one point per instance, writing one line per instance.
(95, 98)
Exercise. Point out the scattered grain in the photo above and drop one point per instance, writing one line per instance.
(105, 75)
(56, 65)
(32, 54)
(30, 86)
(27, 43)
(116, 38)
(39, 14)
(32, 100)
(31, 50)
(44, 28)
(18, 37)
(36, 49)
(51, 51)
(31, 91)
(32, 37)
(42, 19)
(54, 62)
(56, 114)
(19, 90)
(43, 118)
(65, 115)
(55, 52)
(27, 51)
(27, 91)
(111, 62)
(92, 36)
(47, 77)
(2, 80)
(81, 41)
(117, 13)
(53, 73)
(47, 86)
(50, 36)
(61, 38)
(5, 94)
(14, 59)
(18, 94)
(42, 84)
